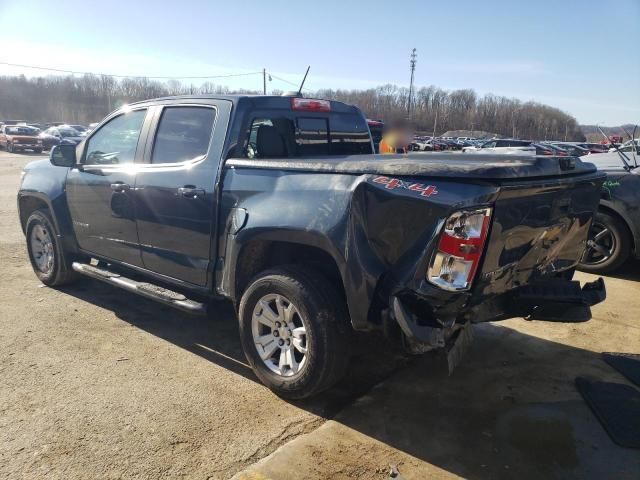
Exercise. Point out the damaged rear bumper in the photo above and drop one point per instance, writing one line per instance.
(554, 300)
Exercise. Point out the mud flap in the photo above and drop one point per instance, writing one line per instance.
(460, 343)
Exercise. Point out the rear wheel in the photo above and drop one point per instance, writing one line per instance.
(10, 147)
(48, 259)
(608, 246)
(38, 150)
(294, 331)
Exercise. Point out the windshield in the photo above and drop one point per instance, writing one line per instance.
(21, 131)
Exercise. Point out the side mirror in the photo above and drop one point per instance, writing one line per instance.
(63, 155)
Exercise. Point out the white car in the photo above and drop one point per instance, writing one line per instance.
(627, 146)
(504, 146)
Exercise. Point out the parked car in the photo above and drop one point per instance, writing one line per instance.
(279, 204)
(14, 138)
(557, 151)
(504, 146)
(376, 128)
(64, 134)
(594, 147)
(615, 232)
(627, 147)
(572, 149)
(80, 128)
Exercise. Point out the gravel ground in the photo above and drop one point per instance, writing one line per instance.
(99, 383)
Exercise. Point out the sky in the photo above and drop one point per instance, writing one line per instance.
(582, 56)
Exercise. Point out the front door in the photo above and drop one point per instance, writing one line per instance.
(175, 200)
(100, 191)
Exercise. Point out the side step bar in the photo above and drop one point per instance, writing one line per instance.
(148, 290)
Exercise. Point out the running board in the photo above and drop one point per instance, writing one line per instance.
(148, 290)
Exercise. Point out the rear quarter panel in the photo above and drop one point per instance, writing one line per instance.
(379, 232)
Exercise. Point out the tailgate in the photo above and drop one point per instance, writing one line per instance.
(538, 229)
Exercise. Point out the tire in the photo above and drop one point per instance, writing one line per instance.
(10, 147)
(319, 310)
(614, 239)
(38, 150)
(56, 271)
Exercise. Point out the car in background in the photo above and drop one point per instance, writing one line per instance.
(508, 146)
(63, 135)
(95, 124)
(572, 149)
(376, 128)
(627, 147)
(615, 232)
(80, 128)
(557, 151)
(14, 138)
(594, 147)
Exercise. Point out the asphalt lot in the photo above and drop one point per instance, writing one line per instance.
(99, 383)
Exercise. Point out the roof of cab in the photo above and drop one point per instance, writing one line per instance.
(265, 101)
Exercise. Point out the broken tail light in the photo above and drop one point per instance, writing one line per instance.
(460, 248)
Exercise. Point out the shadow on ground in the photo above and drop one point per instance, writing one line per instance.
(510, 410)
(216, 339)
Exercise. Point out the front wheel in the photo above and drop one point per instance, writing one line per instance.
(294, 331)
(608, 246)
(48, 259)
(10, 147)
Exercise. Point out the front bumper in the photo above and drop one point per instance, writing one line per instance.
(553, 300)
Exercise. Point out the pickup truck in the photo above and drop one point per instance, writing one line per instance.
(280, 205)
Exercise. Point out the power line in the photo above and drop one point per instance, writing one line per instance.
(286, 81)
(73, 72)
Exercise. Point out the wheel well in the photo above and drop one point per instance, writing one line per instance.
(260, 255)
(27, 206)
(613, 213)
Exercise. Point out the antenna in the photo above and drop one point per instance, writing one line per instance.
(303, 80)
(412, 66)
(623, 157)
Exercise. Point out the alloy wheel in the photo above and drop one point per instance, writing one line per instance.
(279, 335)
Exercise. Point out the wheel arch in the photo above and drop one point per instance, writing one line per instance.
(28, 202)
(261, 252)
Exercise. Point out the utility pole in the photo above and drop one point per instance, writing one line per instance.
(412, 65)
(264, 81)
(435, 122)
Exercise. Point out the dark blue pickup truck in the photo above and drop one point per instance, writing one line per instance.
(280, 205)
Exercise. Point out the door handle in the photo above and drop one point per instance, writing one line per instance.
(119, 187)
(191, 192)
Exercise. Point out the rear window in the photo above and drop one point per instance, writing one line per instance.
(306, 135)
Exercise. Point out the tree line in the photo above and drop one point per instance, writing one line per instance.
(89, 98)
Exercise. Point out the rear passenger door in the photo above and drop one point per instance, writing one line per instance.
(175, 190)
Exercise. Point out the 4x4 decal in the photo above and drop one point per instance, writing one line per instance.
(391, 183)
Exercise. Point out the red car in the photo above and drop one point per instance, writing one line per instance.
(20, 137)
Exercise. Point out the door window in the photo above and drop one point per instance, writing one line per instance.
(183, 134)
(116, 141)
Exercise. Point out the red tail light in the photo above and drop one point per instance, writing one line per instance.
(460, 248)
(310, 105)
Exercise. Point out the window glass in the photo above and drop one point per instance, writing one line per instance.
(349, 135)
(293, 136)
(116, 141)
(312, 136)
(489, 145)
(183, 134)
